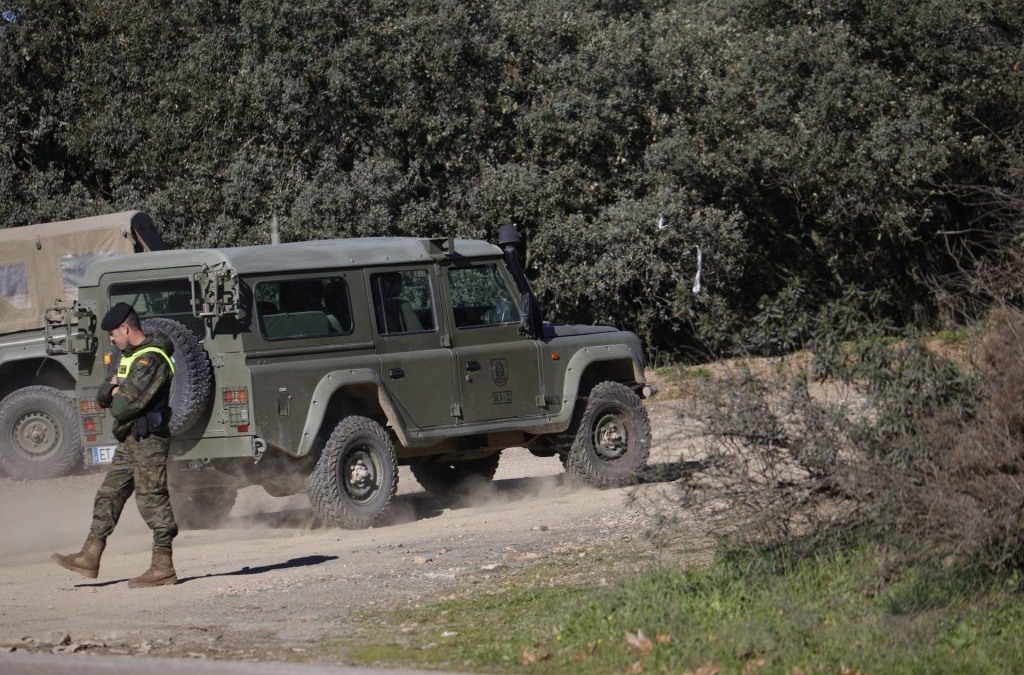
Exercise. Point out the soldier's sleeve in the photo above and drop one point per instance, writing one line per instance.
(105, 394)
(148, 375)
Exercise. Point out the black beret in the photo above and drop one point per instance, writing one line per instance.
(116, 316)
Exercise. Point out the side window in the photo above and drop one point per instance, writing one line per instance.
(14, 285)
(303, 308)
(480, 297)
(402, 302)
(164, 298)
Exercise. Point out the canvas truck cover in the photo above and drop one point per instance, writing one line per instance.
(45, 262)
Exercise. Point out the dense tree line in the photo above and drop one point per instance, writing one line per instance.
(805, 146)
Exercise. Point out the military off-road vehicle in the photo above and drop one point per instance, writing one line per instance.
(39, 427)
(322, 366)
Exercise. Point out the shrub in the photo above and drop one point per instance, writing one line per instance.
(906, 443)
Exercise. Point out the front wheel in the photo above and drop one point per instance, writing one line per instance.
(613, 438)
(356, 476)
(39, 434)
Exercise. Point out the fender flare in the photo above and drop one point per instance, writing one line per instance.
(323, 392)
(578, 364)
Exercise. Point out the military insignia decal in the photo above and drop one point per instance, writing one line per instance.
(499, 371)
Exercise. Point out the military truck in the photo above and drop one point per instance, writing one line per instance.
(39, 434)
(322, 366)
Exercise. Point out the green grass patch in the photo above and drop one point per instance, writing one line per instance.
(680, 373)
(833, 615)
(953, 337)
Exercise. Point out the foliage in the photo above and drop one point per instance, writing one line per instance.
(891, 437)
(802, 144)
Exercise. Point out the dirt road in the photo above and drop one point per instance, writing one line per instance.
(268, 587)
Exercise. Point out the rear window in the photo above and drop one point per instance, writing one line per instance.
(161, 298)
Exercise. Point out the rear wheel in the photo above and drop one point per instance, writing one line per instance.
(613, 438)
(444, 477)
(39, 434)
(356, 476)
(201, 509)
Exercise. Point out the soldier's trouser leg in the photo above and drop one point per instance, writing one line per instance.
(113, 493)
(151, 494)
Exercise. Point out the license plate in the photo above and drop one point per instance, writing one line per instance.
(103, 454)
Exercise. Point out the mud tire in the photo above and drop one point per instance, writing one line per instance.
(613, 438)
(39, 434)
(356, 476)
(442, 478)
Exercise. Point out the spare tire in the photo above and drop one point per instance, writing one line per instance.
(192, 388)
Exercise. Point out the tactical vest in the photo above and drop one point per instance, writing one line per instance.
(159, 413)
(124, 366)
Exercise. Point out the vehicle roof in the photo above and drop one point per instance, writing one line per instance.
(125, 219)
(295, 256)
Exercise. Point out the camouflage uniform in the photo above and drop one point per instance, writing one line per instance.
(140, 461)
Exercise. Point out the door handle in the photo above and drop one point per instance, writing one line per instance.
(396, 373)
(472, 366)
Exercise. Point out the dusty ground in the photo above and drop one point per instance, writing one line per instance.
(267, 586)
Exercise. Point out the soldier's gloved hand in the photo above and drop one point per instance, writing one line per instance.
(105, 395)
(140, 428)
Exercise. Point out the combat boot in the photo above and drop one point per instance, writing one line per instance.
(160, 572)
(87, 561)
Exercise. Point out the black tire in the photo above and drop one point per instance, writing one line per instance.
(39, 434)
(613, 438)
(356, 476)
(442, 478)
(201, 509)
(193, 373)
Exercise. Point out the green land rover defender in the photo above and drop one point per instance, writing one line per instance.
(322, 366)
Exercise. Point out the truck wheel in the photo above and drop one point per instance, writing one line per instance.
(202, 509)
(193, 374)
(39, 434)
(443, 477)
(356, 476)
(613, 438)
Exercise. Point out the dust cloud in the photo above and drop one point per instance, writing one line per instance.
(43, 516)
(520, 476)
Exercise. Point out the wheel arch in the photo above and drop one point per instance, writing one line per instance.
(41, 370)
(591, 365)
(340, 393)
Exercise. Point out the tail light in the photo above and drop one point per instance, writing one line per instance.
(236, 407)
(92, 418)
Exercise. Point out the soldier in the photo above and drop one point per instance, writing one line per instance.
(138, 396)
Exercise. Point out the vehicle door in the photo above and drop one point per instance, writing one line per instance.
(307, 325)
(416, 365)
(498, 369)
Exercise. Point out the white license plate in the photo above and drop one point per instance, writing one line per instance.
(103, 454)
